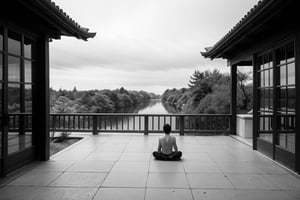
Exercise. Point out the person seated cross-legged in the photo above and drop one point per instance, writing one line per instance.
(166, 145)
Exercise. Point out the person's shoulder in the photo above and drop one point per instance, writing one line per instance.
(173, 137)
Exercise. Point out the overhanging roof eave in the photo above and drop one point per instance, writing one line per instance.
(55, 16)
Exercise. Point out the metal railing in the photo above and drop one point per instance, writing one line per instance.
(129, 123)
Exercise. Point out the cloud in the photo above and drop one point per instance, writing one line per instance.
(141, 43)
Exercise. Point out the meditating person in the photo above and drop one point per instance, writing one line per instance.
(166, 145)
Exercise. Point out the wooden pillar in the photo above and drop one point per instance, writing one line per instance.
(255, 105)
(41, 118)
(297, 77)
(181, 125)
(5, 119)
(95, 124)
(233, 70)
(146, 125)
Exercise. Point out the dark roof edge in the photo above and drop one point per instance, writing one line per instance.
(66, 24)
(258, 8)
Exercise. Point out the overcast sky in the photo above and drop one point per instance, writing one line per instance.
(146, 45)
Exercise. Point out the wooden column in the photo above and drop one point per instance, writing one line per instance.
(146, 125)
(95, 125)
(41, 119)
(181, 125)
(255, 105)
(297, 76)
(5, 119)
(233, 70)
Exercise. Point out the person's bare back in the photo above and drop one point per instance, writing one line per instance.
(166, 145)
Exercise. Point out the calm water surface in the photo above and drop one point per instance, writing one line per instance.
(155, 107)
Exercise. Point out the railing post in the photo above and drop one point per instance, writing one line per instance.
(146, 125)
(95, 125)
(181, 125)
(53, 126)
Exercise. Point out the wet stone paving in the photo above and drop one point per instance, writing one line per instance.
(114, 167)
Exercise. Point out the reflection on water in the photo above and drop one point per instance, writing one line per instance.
(154, 106)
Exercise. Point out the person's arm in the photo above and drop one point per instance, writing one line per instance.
(159, 146)
(175, 145)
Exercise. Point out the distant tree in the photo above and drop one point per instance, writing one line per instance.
(195, 77)
(242, 79)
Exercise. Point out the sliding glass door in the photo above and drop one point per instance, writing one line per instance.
(276, 114)
(16, 61)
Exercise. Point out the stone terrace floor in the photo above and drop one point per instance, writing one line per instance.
(121, 167)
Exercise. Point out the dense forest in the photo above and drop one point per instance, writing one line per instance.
(209, 93)
(97, 101)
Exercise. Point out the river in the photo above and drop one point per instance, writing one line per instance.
(155, 106)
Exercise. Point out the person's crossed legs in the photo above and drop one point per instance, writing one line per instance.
(173, 156)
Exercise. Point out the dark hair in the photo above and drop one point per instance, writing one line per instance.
(167, 128)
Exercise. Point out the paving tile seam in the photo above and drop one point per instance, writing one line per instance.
(60, 174)
(98, 188)
(70, 147)
(273, 161)
(190, 188)
(50, 186)
(86, 172)
(112, 187)
(147, 177)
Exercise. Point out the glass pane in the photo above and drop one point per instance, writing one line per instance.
(259, 63)
(1, 39)
(291, 142)
(14, 43)
(291, 122)
(271, 78)
(261, 124)
(262, 81)
(267, 99)
(14, 66)
(266, 124)
(14, 98)
(280, 56)
(282, 100)
(282, 140)
(1, 66)
(266, 78)
(266, 61)
(262, 100)
(281, 124)
(271, 99)
(290, 52)
(291, 73)
(0, 136)
(27, 48)
(287, 141)
(19, 133)
(27, 71)
(291, 99)
(283, 75)
(0, 103)
(1, 120)
(28, 98)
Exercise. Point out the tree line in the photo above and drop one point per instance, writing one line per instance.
(208, 92)
(97, 101)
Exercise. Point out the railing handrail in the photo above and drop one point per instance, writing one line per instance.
(128, 122)
(136, 114)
